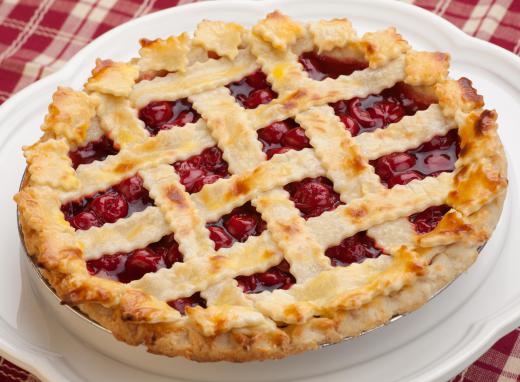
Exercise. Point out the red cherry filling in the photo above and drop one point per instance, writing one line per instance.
(428, 219)
(280, 137)
(313, 196)
(430, 159)
(277, 277)
(252, 90)
(238, 225)
(360, 115)
(320, 66)
(92, 151)
(163, 115)
(181, 303)
(354, 249)
(204, 168)
(119, 201)
(131, 266)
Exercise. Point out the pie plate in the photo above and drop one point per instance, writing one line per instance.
(431, 344)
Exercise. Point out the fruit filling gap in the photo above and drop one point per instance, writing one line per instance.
(429, 159)
(321, 66)
(428, 219)
(252, 90)
(180, 304)
(117, 202)
(238, 225)
(204, 168)
(280, 137)
(353, 249)
(127, 267)
(360, 115)
(277, 277)
(313, 196)
(93, 151)
(163, 115)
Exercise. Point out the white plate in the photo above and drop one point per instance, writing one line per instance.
(430, 344)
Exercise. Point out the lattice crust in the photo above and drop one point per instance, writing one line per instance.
(70, 115)
(326, 303)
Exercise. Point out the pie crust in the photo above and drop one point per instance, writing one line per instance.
(326, 303)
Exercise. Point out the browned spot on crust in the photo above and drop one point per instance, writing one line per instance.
(124, 167)
(356, 164)
(463, 170)
(289, 229)
(485, 122)
(292, 311)
(240, 187)
(415, 268)
(144, 42)
(176, 196)
(439, 56)
(267, 255)
(217, 262)
(469, 93)
(102, 65)
(370, 48)
(292, 100)
(464, 150)
(356, 213)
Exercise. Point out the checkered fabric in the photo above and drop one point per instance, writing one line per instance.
(38, 36)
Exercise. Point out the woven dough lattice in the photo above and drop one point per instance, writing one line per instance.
(326, 303)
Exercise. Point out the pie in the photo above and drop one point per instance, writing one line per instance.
(247, 194)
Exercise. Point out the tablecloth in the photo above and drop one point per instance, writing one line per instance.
(38, 36)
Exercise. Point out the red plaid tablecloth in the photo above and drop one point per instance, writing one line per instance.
(38, 36)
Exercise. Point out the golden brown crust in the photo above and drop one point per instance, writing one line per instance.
(326, 304)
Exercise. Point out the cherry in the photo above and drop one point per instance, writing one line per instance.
(274, 132)
(92, 151)
(172, 255)
(106, 263)
(428, 219)
(140, 262)
(403, 178)
(395, 162)
(357, 112)
(163, 115)
(252, 90)
(313, 196)
(440, 142)
(180, 304)
(156, 113)
(277, 277)
(281, 150)
(353, 249)
(439, 162)
(271, 278)
(296, 139)
(238, 225)
(85, 220)
(247, 283)
(351, 125)
(320, 66)
(257, 80)
(241, 226)
(389, 112)
(213, 161)
(110, 207)
(132, 188)
(204, 168)
(259, 97)
(184, 118)
(220, 237)
(208, 179)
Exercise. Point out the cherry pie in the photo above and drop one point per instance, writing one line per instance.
(250, 194)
